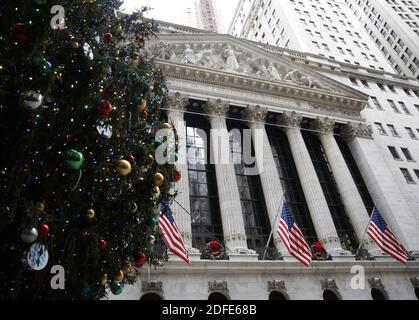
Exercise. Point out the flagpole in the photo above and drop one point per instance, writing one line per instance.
(366, 230)
(274, 225)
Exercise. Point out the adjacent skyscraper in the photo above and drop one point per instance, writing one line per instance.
(323, 27)
(207, 16)
(394, 27)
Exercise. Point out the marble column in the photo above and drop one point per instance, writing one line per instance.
(177, 104)
(382, 184)
(228, 192)
(349, 193)
(313, 192)
(267, 170)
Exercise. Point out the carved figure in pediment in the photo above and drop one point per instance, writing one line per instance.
(206, 58)
(164, 51)
(273, 71)
(256, 66)
(230, 58)
(294, 76)
(189, 56)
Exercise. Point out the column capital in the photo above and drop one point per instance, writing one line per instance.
(177, 101)
(356, 130)
(255, 113)
(323, 124)
(216, 108)
(290, 119)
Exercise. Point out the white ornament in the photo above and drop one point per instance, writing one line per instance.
(29, 235)
(105, 130)
(88, 51)
(31, 100)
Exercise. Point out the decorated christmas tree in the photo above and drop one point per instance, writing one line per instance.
(79, 183)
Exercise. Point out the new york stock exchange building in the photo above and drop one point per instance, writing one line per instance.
(318, 143)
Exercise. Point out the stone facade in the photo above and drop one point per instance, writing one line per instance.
(311, 95)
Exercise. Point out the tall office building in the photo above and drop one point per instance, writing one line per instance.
(323, 27)
(208, 17)
(394, 27)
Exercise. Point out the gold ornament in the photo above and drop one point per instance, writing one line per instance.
(128, 268)
(158, 179)
(39, 207)
(119, 277)
(75, 44)
(142, 106)
(167, 126)
(104, 280)
(123, 167)
(90, 214)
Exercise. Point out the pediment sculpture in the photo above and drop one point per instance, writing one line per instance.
(232, 59)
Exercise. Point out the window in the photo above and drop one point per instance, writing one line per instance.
(407, 154)
(394, 153)
(205, 210)
(380, 85)
(380, 128)
(353, 80)
(393, 106)
(407, 176)
(376, 103)
(393, 130)
(365, 83)
(411, 133)
(405, 109)
(416, 173)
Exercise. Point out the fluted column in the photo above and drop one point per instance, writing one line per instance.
(382, 184)
(267, 170)
(355, 207)
(228, 192)
(316, 201)
(177, 105)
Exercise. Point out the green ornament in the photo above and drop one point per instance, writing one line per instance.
(73, 159)
(116, 288)
(153, 223)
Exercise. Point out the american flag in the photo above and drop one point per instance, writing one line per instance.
(385, 238)
(293, 238)
(171, 235)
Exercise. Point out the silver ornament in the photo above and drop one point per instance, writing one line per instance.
(151, 240)
(156, 193)
(31, 100)
(38, 257)
(105, 130)
(88, 51)
(29, 235)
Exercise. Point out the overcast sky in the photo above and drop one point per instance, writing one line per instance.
(175, 10)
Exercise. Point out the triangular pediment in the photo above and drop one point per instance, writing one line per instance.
(237, 58)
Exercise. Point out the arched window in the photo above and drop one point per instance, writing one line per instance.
(205, 209)
(417, 293)
(377, 294)
(330, 295)
(276, 295)
(217, 296)
(151, 296)
(288, 174)
(330, 191)
(256, 218)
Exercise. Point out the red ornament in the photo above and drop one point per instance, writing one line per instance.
(319, 247)
(131, 159)
(145, 115)
(108, 37)
(177, 176)
(43, 229)
(104, 107)
(141, 259)
(141, 40)
(102, 244)
(19, 32)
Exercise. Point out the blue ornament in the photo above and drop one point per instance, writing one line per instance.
(47, 65)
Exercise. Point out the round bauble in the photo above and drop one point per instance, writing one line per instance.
(108, 37)
(131, 159)
(75, 44)
(142, 106)
(158, 179)
(102, 244)
(156, 193)
(43, 229)
(38, 257)
(31, 100)
(153, 223)
(177, 176)
(19, 32)
(90, 214)
(140, 261)
(47, 65)
(151, 240)
(85, 288)
(104, 107)
(104, 280)
(119, 277)
(123, 168)
(73, 159)
(140, 40)
(116, 288)
(39, 207)
(29, 235)
(167, 126)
